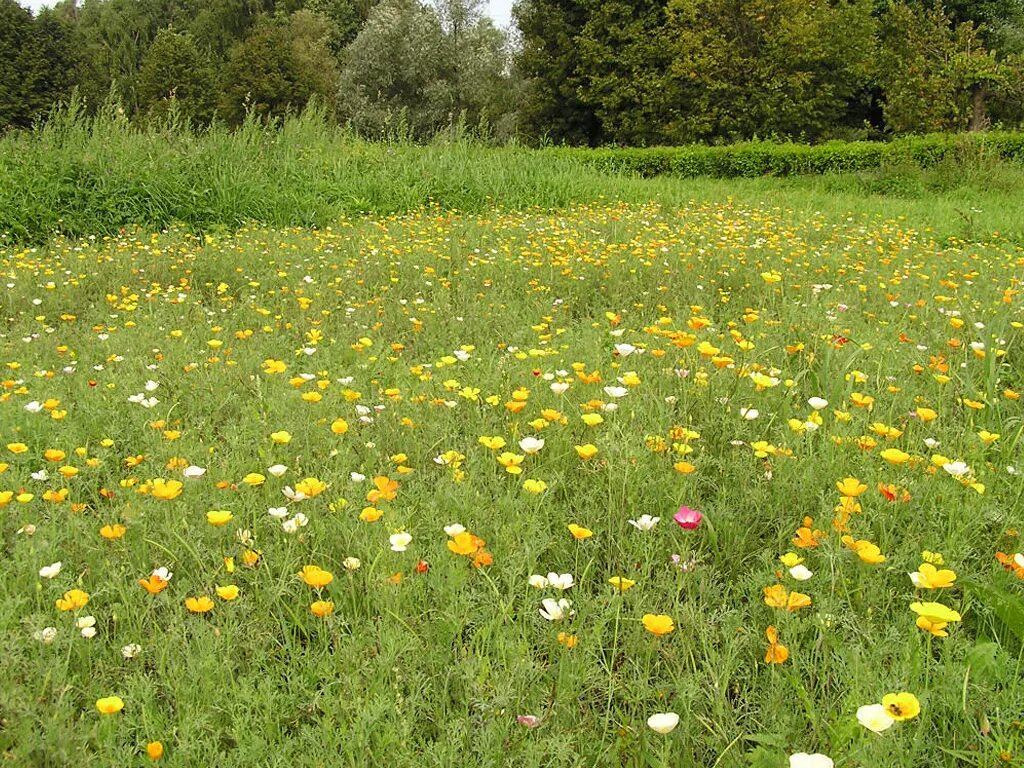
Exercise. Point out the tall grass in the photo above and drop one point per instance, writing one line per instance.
(79, 176)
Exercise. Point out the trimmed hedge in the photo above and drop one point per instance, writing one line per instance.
(763, 158)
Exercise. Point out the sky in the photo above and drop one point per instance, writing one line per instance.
(499, 10)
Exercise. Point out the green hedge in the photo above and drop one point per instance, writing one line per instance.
(762, 158)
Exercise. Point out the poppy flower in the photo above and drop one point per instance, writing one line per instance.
(555, 610)
(218, 517)
(901, 706)
(73, 600)
(663, 722)
(315, 576)
(658, 624)
(109, 705)
(804, 760)
(155, 750)
(579, 532)
(201, 604)
(322, 608)
(875, 718)
(928, 576)
(777, 653)
(934, 617)
(687, 518)
(228, 593)
(621, 583)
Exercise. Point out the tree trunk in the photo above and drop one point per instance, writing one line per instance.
(979, 110)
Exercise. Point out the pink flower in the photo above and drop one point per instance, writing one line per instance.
(530, 721)
(687, 518)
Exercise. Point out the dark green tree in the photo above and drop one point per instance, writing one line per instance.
(554, 77)
(278, 68)
(175, 72)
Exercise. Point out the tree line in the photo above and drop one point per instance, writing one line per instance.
(587, 72)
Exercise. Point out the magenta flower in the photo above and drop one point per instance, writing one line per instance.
(530, 721)
(687, 518)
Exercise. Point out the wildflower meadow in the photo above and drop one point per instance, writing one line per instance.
(621, 484)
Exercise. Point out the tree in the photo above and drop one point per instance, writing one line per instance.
(551, 66)
(937, 75)
(174, 71)
(36, 64)
(278, 68)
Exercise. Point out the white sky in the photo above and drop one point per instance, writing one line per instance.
(499, 10)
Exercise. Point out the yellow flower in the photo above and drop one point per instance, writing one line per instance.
(339, 426)
(218, 517)
(494, 443)
(315, 576)
(281, 438)
(322, 608)
(311, 487)
(621, 583)
(895, 456)
(511, 462)
(254, 479)
(165, 489)
(988, 437)
(934, 617)
(54, 454)
(229, 592)
(777, 653)
(579, 532)
(155, 750)
(201, 604)
(866, 551)
(851, 487)
(271, 366)
(928, 576)
(110, 532)
(464, 543)
(591, 419)
(534, 486)
(790, 559)
(586, 451)
(658, 624)
(370, 514)
(109, 705)
(901, 706)
(17, 448)
(73, 600)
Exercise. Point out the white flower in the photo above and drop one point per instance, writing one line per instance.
(131, 650)
(530, 445)
(749, 413)
(50, 571)
(351, 563)
(538, 582)
(800, 572)
(277, 470)
(34, 407)
(87, 626)
(292, 494)
(956, 468)
(356, 477)
(931, 442)
(561, 581)
(1019, 560)
(817, 403)
(616, 391)
(193, 472)
(279, 512)
(454, 529)
(42, 475)
(645, 522)
(290, 526)
(150, 385)
(555, 610)
(28, 530)
(559, 387)
(663, 722)
(625, 350)
(399, 541)
(461, 354)
(804, 760)
(874, 718)
(45, 636)
(163, 574)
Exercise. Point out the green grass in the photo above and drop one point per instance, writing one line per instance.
(80, 177)
(434, 669)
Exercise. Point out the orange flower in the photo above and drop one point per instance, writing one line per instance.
(579, 532)
(201, 604)
(806, 536)
(322, 608)
(385, 489)
(154, 584)
(464, 543)
(155, 750)
(658, 624)
(776, 653)
(316, 577)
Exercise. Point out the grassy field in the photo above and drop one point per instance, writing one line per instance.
(371, 456)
